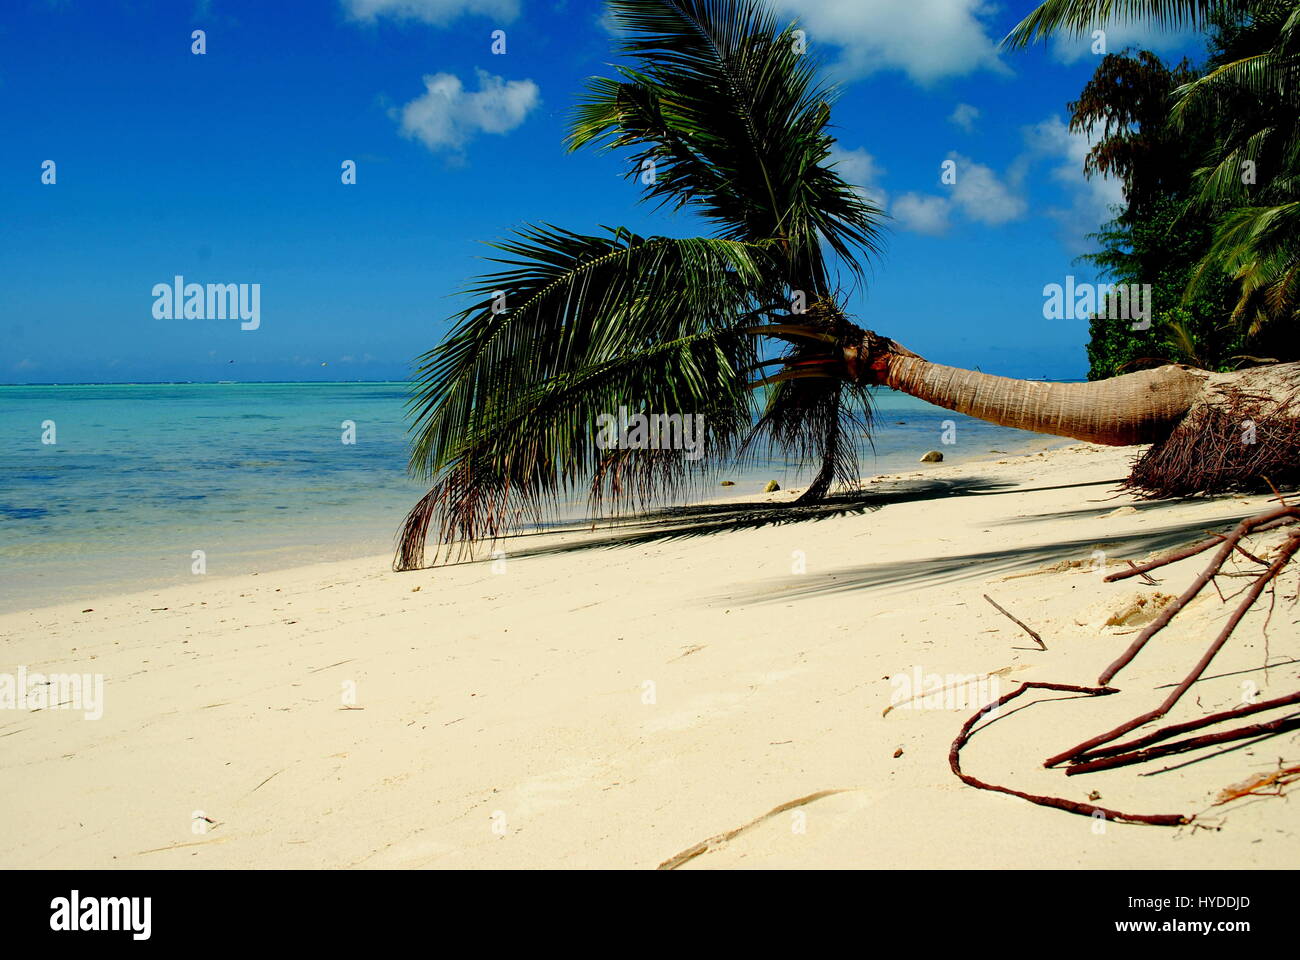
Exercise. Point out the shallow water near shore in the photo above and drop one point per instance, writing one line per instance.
(257, 477)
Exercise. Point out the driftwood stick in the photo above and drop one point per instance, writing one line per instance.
(1250, 556)
(1280, 725)
(1017, 621)
(1180, 554)
(1164, 733)
(1268, 521)
(1144, 575)
(1289, 548)
(1060, 803)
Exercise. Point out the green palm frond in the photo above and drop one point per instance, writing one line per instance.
(1223, 181)
(1259, 247)
(1263, 76)
(571, 301)
(726, 105)
(505, 407)
(1077, 18)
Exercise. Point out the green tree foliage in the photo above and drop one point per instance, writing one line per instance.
(1162, 248)
(1210, 162)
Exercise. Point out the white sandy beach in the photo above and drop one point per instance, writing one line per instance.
(616, 706)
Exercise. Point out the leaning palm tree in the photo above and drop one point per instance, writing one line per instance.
(719, 113)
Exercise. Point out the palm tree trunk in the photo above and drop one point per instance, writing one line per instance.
(1209, 432)
(1135, 408)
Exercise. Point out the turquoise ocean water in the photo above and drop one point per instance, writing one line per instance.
(257, 477)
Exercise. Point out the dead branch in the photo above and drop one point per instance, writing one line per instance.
(1017, 621)
(1284, 555)
(1173, 730)
(1280, 725)
(1100, 752)
(1060, 803)
(1182, 553)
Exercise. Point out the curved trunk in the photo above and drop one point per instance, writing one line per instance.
(1209, 432)
(1136, 408)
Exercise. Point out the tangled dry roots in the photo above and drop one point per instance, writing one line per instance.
(1236, 441)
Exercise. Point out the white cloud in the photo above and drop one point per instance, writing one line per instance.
(926, 39)
(978, 195)
(922, 213)
(1090, 200)
(861, 171)
(981, 194)
(447, 116)
(984, 197)
(965, 116)
(430, 11)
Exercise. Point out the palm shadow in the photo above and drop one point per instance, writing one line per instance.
(701, 520)
(947, 569)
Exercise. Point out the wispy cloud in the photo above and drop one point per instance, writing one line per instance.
(861, 171)
(1090, 201)
(430, 11)
(1118, 34)
(985, 197)
(923, 213)
(978, 194)
(447, 116)
(964, 116)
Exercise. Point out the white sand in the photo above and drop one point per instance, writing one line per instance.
(501, 719)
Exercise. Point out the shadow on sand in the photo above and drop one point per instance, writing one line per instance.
(681, 523)
(984, 565)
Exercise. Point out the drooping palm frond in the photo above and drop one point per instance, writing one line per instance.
(1077, 18)
(816, 420)
(1260, 248)
(810, 413)
(569, 301)
(505, 406)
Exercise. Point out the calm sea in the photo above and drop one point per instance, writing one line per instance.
(257, 477)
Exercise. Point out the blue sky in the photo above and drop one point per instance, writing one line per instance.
(225, 167)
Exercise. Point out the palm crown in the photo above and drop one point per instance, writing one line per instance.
(720, 112)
